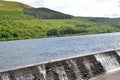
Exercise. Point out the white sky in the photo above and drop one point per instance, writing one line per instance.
(94, 8)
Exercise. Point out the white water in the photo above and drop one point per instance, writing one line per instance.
(5, 76)
(109, 62)
(75, 69)
(118, 52)
(61, 73)
(42, 70)
(88, 66)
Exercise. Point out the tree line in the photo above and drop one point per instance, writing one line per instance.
(44, 13)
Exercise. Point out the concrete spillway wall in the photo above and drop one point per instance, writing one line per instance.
(79, 68)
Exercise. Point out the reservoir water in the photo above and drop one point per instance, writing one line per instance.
(25, 52)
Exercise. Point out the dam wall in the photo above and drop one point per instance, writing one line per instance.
(78, 68)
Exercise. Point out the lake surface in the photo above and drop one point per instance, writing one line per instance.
(25, 52)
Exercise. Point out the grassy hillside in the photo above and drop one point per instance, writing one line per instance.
(15, 25)
(27, 29)
(12, 6)
(114, 22)
(13, 15)
(45, 13)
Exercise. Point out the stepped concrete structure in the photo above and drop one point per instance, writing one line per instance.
(100, 64)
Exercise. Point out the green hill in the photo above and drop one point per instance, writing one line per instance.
(10, 10)
(114, 22)
(43, 22)
(45, 13)
(27, 29)
(12, 6)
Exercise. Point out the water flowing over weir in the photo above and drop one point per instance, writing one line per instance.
(79, 68)
(65, 58)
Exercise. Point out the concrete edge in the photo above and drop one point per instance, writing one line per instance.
(56, 60)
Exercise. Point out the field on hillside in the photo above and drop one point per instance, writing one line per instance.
(115, 22)
(14, 25)
(12, 6)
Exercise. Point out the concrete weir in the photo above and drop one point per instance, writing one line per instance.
(77, 68)
(88, 57)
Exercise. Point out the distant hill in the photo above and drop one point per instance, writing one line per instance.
(12, 6)
(45, 13)
(114, 22)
